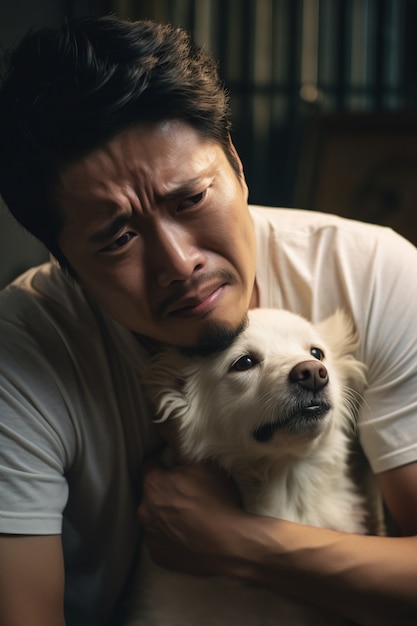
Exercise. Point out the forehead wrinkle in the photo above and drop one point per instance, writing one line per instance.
(187, 184)
(143, 190)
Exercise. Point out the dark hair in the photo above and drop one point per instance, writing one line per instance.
(66, 90)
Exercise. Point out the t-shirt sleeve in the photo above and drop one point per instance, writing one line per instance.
(388, 422)
(36, 434)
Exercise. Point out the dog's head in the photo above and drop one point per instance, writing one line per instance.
(277, 389)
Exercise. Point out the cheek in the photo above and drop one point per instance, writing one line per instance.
(234, 235)
(119, 289)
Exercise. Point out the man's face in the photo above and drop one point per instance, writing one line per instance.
(158, 230)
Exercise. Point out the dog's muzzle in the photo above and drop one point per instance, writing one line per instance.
(308, 405)
(303, 420)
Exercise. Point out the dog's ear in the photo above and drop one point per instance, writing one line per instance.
(339, 333)
(164, 385)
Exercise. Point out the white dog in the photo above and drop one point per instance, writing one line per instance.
(276, 410)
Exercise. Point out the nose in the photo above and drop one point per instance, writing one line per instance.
(311, 375)
(173, 254)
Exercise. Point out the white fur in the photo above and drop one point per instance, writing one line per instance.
(299, 474)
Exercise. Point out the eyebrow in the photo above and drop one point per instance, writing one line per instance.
(183, 189)
(110, 230)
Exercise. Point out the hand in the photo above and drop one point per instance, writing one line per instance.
(188, 514)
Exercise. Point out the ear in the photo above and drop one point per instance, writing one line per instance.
(339, 333)
(164, 387)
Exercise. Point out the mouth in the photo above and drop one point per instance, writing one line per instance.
(197, 305)
(198, 296)
(304, 421)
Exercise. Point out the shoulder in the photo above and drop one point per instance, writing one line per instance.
(42, 313)
(43, 289)
(288, 221)
(359, 248)
(50, 326)
(44, 303)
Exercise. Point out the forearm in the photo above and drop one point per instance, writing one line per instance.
(31, 581)
(193, 524)
(370, 580)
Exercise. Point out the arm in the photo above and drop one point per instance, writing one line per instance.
(31, 581)
(370, 580)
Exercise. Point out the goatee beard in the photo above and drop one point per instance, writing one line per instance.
(216, 337)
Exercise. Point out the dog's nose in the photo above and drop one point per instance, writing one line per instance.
(311, 375)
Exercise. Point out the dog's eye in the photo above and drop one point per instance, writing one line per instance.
(317, 353)
(244, 363)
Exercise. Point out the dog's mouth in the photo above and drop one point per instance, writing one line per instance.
(304, 420)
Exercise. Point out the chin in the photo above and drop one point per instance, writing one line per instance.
(216, 336)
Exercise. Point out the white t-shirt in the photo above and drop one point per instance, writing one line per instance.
(74, 424)
(73, 431)
(313, 263)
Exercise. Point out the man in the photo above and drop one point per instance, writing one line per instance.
(115, 152)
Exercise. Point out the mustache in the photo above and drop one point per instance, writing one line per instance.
(194, 284)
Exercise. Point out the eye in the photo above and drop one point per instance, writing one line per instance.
(120, 242)
(191, 201)
(317, 353)
(243, 363)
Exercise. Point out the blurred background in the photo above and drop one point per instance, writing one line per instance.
(323, 93)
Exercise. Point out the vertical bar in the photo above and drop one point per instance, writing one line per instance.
(394, 28)
(293, 43)
(262, 68)
(341, 55)
(203, 25)
(380, 53)
(227, 29)
(361, 54)
(327, 64)
(180, 13)
(280, 46)
(408, 78)
(309, 51)
(241, 60)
